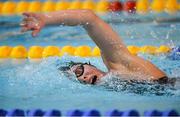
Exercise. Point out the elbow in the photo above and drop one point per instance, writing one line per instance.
(90, 17)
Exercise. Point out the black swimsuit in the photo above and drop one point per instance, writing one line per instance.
(163, 80)
(166, 80)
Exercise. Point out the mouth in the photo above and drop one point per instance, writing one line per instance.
(94, 79)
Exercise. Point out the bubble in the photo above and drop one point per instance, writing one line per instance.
(113, 82)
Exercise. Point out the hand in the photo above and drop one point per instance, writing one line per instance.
(34, 22)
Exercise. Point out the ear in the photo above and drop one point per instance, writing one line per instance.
(89, 63)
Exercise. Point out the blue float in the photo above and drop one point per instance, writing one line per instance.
(3, 112)
(92, 112)
(112, 113)
(52, 112)
(88, 113)
(152, 113)
(170, 113)
(130, 113)
(35, 112)
(15, 112)
(72, 113)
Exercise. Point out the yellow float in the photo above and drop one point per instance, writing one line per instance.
(163, 49)
(62, 5)
(172, 6)
(142, 6)
(96, 52)
(83, 51)
(35, 6)
(133, 49)
(1, 5)
(69, 50)
(19, 52)
(148, 49)
(35, 52)
(8, 8)
(5, 51)
(158, 5)
(51, 51)
(48, 6)
(102, 6)
(88, 4)
(22, 7)
(75, 4)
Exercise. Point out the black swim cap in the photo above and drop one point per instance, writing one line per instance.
(70, 64)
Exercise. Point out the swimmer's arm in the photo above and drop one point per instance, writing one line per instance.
(109, 42)
(101, 33)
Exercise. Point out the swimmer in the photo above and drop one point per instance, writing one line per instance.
(114, 53)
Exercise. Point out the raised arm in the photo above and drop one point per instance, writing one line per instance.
(114, 53)
(101, 33)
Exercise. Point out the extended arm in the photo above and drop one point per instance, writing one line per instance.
(115, 54)
(102, 34)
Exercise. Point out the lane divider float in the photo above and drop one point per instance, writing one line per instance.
(38, 52)
(86, 113)
(102, 6)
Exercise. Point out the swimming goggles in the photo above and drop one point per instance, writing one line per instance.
(80, 68)
(79, 71)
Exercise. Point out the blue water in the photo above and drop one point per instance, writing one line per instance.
(27, 84)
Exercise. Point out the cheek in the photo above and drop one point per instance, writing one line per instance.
(82, 79)
(90, 72)
(85, 77)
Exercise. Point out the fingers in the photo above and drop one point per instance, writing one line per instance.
(24, 29)
(27, 14)
(35, 32)
(30, 22)
(27, 27)
(25, 20)
(23, 24)
(28, 19)
(31, 15)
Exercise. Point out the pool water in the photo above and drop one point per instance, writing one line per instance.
(27, 84)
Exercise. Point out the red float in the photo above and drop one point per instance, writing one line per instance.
(130, 6)
(115, 6)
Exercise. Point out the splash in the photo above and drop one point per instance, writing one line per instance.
(112, 82)
(38, 79)
(30, 80)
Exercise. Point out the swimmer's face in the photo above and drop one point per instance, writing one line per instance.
(87, 74)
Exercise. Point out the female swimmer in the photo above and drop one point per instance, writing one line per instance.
(114, 53)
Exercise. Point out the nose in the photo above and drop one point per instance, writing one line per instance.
(91, 79)
(85, 80)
